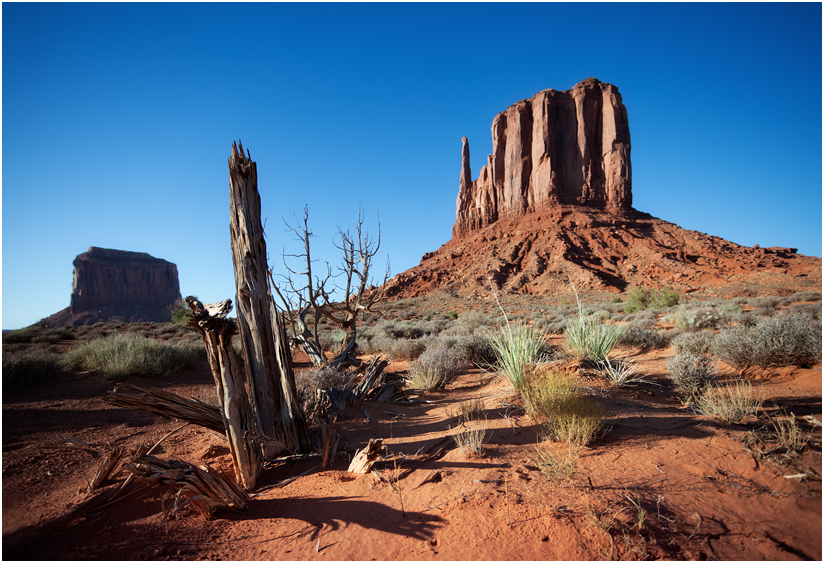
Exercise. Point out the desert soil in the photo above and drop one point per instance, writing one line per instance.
(661, 483)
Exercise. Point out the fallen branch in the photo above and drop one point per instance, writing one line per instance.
(165, 403)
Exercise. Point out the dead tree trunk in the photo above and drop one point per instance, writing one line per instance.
(216, 332)
(262, 332)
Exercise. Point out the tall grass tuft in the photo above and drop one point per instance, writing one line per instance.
(589, 339)
(122, 355)
(516, 351)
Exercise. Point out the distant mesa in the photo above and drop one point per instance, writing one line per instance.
(554, 203)
(111, 285)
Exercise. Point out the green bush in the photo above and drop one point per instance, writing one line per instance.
(127, 354)
(30, 367)
(639, 299)
(23, 335)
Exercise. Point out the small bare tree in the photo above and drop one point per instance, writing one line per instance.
(304, 291)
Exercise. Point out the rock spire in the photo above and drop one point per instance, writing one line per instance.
(556, 148)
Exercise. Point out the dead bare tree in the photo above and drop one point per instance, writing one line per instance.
(262, 332)
(309, 292)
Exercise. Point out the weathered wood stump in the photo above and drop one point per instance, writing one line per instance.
(217, 331)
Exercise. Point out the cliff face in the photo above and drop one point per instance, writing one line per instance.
(557, 148)
(117, 284)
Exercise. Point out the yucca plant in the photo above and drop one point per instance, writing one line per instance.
(517, 350)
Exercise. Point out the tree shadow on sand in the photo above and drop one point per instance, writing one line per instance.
(336, 513)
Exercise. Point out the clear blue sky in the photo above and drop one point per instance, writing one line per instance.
(119, 119)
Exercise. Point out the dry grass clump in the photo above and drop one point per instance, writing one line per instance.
(558, 467)
(435, 368)
(467, 411)
(126, 354)
(309, 382)
(789, 434)
(470, 440)
(29, 367)
(621, 372)
(556, 400)
(731, 403)
(692, 374)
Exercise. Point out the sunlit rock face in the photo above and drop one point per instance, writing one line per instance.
(556, 148)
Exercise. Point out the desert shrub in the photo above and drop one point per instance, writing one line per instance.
(30, 367)
(518, 349)
(692, 374)
(801, 296)
(401, 348)
(646, 339)
(730, 403)
(23, 335)
(438, 366)
(472, 321)
(765, 303)
(474, 348)
(812, 310)
(693, 342)
(639, 299)
(127, 354)
(53, 335)
(701, 318)
(557, 401)
(734, 346)
(748, 318)
(331, 339)
(550, 326)
(590, 340)
(787, 339)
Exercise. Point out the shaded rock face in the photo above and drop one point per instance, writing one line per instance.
(557, 148)
(120, 285)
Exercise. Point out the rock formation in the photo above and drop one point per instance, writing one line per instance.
(554, 204)
(119, 285)
(570, 147)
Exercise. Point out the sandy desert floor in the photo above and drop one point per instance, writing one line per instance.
(661, 483)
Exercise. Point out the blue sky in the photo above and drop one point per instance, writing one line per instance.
(119, 119)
